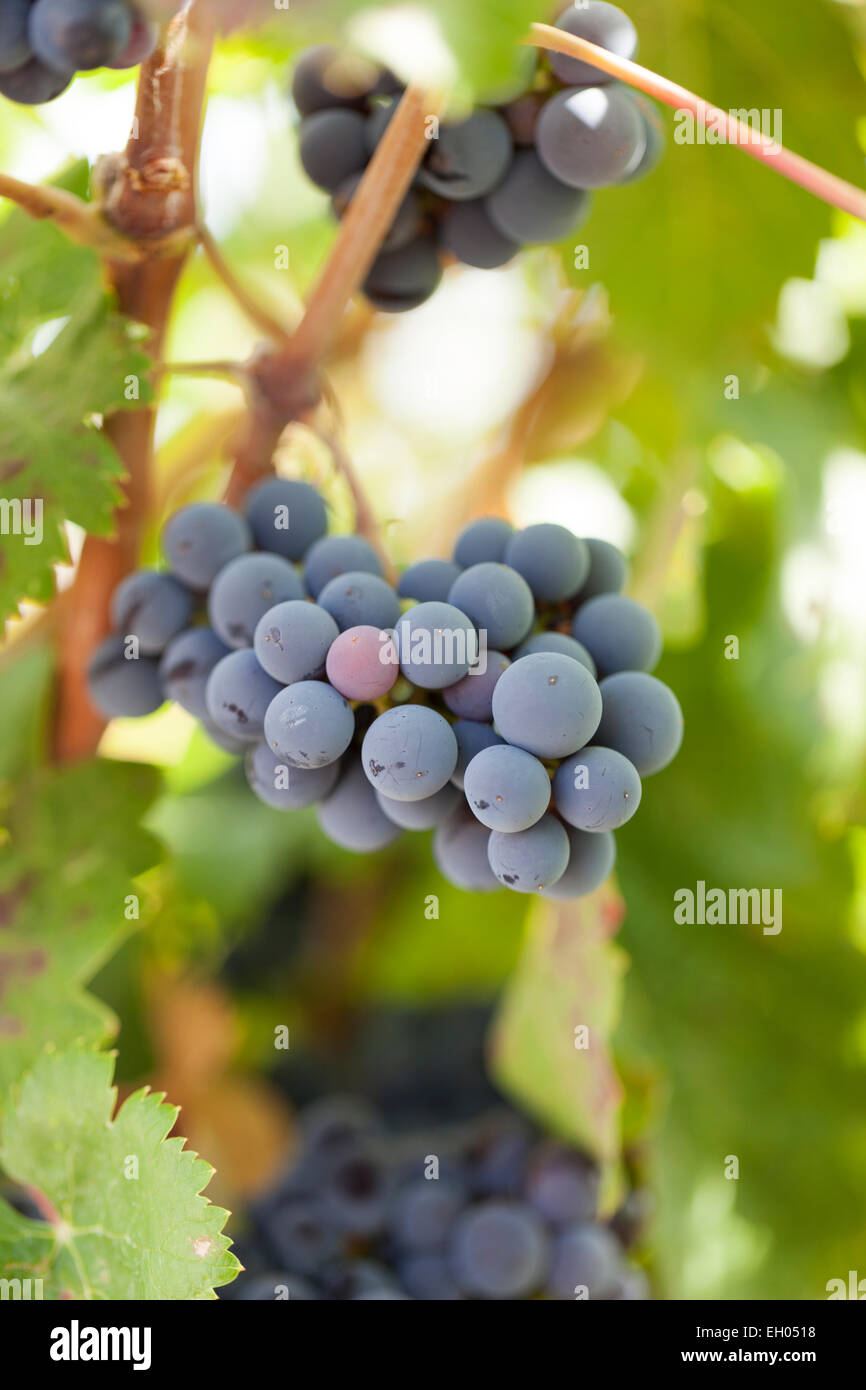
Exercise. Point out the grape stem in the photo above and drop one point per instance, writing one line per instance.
(81, 222)
(287, 380)
(254, 311)
(830, 189)
(150, 199)
(366, 523)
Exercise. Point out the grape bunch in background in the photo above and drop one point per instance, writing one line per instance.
(503, 1214)
(500, 698)
(44, 43)
(507, 176)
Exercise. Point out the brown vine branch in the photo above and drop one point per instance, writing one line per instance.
(835, 191)
(150, 196)
(82, 222)
(287, 380)
(363, 229)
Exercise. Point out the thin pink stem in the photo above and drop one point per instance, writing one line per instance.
(837, 192)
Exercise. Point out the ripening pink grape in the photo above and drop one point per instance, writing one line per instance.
(362, 663)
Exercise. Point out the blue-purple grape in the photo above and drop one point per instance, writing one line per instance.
(292, 641)
(472, 736)
(485, 539)
(530, 206)
(79, 35)
(332, 147)
(245, 591)
(285, 516)
(34, 84)
(358, 599)
(468, 158)
(604, 25)
(325, 77)
(548, 704)
(585, 1257)
(552, 560)
(186, 666)
(309, 724)
(152, 607)
(408, 220)
(287, 788)
(437, 644)
(497, 600)
(608, 570)
(506, 788)
(589, 137)
(500, 1250)
(596, 789)
(428, 581)
(238, 694)
(421, 815)
(201, 539)
(352, 817)
(409, 752)
(122, 686)
(529, 860)
(591, 857)
(469, 233)
(404, 279)
(460, 852)
(15, 48)
(620, 633)
(641, 719)
(556, 642)
(472, 697)
(335, 555)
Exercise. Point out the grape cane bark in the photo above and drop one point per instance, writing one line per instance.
(150, 201)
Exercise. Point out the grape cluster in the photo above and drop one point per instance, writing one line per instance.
(500, 698)
(507, 176)
(44, 43)
(490, 1210)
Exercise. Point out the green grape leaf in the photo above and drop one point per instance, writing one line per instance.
(128, 1220)
(67, 359)
(551, 1040)
(73, 845)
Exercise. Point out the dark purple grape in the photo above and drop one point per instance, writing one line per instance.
(15, 48)
(286, 516)
(531, 206)
(120, 685)
(402, 280)
(79, 35)
(472, 697)
(530, 860)
(588, 137)
(287, 788)
(238, 695)
(552, 560)
(591, 857)
(325, 77)
(468, 159)
(186, 666)
(142, 42)
(604, 25)
(199, 540)
(428, 581)
(472, 735)
(245, 590)
(334, 555)
(409, 753)
(331, 147)
(309, 724)
(468, 233)
(34, 84)
(292, 641)
(620, 633)
(152, 607)
(485, 539)
(460, 852)
(500, 1250)
(352, 817)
